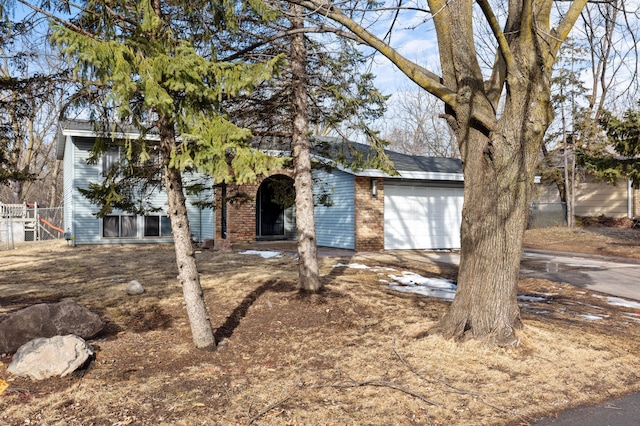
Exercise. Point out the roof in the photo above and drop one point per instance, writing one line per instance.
(327, 149)
(90, 129)
(407, 166)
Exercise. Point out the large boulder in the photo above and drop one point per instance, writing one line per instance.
(42, 358)
(47, 320)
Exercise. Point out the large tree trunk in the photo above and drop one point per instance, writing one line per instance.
(188, 275)
(308, 278)
(499, 168)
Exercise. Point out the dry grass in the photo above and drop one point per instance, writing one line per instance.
(607, 241)
(350, 356)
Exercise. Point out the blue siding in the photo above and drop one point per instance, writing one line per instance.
(335, 224)
(80, 213)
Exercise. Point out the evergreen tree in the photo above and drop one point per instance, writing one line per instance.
(620, 159)
(157, 65)
(322, 89)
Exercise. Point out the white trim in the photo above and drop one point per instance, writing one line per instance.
(113, 135)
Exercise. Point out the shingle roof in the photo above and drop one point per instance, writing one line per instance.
(331, 148)
(407, 165)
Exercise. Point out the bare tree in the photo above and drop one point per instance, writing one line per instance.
(32, 86)
(499, 116)
(415, 125)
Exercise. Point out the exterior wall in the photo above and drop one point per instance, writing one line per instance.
(600, 198)
(80, 216)
(592, 198)
(369, 215)
(636, 203)
(335, 223)
(241, 217)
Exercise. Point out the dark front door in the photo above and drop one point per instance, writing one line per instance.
(270, 220)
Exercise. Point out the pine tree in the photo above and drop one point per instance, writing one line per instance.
(157, 67)
(624, 140)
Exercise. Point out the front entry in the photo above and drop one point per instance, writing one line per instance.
(275, 208)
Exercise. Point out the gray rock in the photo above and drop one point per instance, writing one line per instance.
(42, 358)
(47, 320)
(134, 287)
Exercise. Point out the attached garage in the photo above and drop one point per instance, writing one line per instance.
(419, 215)
(417, 207)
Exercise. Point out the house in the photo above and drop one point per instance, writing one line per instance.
(75, 140)
(358, 209)
(362, 210)
(596, 198)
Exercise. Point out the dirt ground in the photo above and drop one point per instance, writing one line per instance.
(355, 355)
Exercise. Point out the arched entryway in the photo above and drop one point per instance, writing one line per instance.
(275, 208)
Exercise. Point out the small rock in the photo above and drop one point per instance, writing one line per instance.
(134, 288)
(42, 358)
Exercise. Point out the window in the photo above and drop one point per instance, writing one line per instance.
(109, 158)
(119, 227)
(157, 226)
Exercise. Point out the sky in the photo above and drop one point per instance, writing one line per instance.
(418, 43)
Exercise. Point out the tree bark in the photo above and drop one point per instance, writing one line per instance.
(308, 278)
(499, 124)
(188, 275)
(499, 169)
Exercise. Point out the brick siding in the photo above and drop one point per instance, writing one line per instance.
(369, 215)
(241, 217)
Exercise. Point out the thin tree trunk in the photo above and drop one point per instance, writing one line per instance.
(308, 278)
(188, 275)
(53, 188)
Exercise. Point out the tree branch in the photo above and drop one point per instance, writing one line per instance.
(67, 24)
(565, 26)
(283, 34)
(503, 44)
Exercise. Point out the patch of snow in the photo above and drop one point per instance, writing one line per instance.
(591, 317)
(532, 298)
(263, 253)
(440, 293)
(541, 293)
(351, 265)
(410, 282)
(411, 278)
(633, 316)
(618, 301)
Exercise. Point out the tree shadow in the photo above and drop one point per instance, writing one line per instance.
(226, 330)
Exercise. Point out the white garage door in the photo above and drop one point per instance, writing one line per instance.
(422, 217)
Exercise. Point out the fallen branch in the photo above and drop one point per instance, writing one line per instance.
(441, 381)
(381, 383)
(266, 410)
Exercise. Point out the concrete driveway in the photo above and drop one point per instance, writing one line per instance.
(615, 276)
(611, 275)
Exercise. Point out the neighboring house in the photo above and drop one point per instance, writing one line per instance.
(363, 210)
(596, 198)
(75, 140)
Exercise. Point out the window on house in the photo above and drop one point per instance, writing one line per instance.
(109, 158)
(119, 227)
(157, 226)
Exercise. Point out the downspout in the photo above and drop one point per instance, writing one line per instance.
(629, 199)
